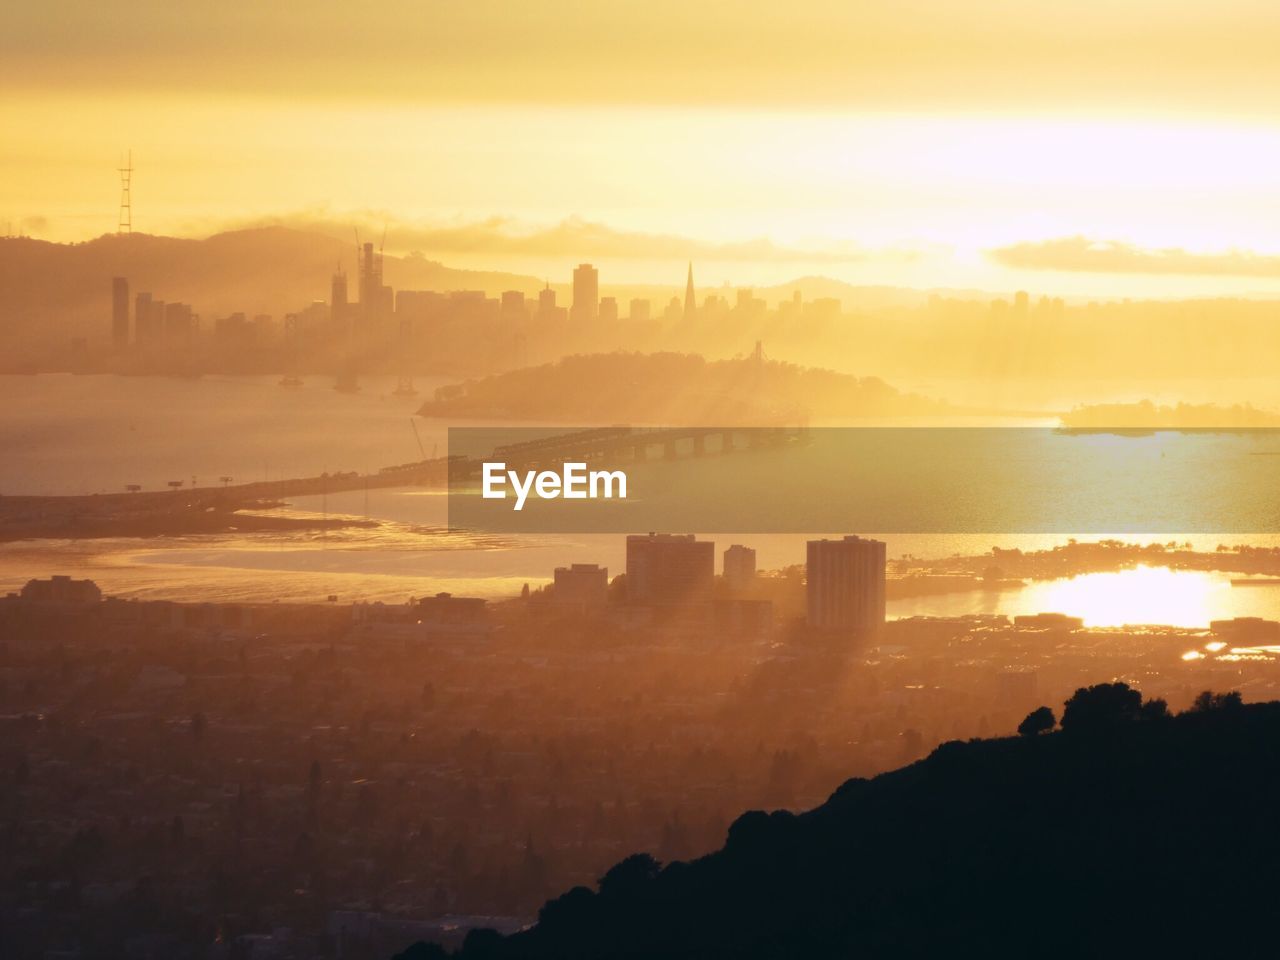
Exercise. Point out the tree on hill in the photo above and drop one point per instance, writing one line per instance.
(1208, 700)
(1154, 709)
(1101, 707)
(1039, 720)
(629, 875)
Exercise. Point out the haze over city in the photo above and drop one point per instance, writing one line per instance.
(916, 363)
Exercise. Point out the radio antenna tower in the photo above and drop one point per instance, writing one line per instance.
(125, 222)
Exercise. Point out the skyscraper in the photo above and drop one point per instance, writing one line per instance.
(157, 315)
(739, 566)
(141, 317)
(376, 299)
(120, 312)
(845, 585)
(338, 296)
(1022, 304)
(608, 310)
(666, 568)
(586, 293)
(179, 322)
(513, 306)
(546, 302)
(690, 298)
(581, 585)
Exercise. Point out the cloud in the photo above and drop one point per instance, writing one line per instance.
(573, 237)
(1082, 255)
(871, 55)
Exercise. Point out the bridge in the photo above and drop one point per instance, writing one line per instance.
(621, 444)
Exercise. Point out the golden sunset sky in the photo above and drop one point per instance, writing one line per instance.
(1114, 149)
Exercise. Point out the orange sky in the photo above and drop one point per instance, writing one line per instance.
(1110, 148)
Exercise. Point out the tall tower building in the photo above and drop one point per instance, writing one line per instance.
(690, 298)
(845, 589)
(513, 306)
(546, 302)
(120, 312)
(1022, 304)
(124, 224)
(142, 317)
(739, 567)
(376, 299)
(179, 322)
(155, 320)
(582, 585)
(338, 296)
(666, 568)
(586, 293)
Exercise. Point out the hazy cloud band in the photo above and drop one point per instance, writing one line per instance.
(573, 237)
(1082, 255)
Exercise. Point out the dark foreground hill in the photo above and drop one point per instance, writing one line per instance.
(1129, 832)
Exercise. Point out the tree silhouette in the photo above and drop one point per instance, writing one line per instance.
(629, 875)
(1208, 700)
(423, 951)
(1155, 709)
(1101, 707)
(482, 943)
(1039, 720)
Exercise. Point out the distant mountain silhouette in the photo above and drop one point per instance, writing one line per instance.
(54, 291)
(1130, 832)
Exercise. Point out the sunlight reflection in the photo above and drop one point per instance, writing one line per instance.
(1179, 598)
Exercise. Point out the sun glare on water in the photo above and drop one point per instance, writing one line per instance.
(1143, 595)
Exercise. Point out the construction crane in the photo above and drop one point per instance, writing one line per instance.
(413, 423)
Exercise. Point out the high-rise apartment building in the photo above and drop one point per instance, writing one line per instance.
(666, 568)
(739, 567)
(119, 312)
(845, 589)
(586, 294)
